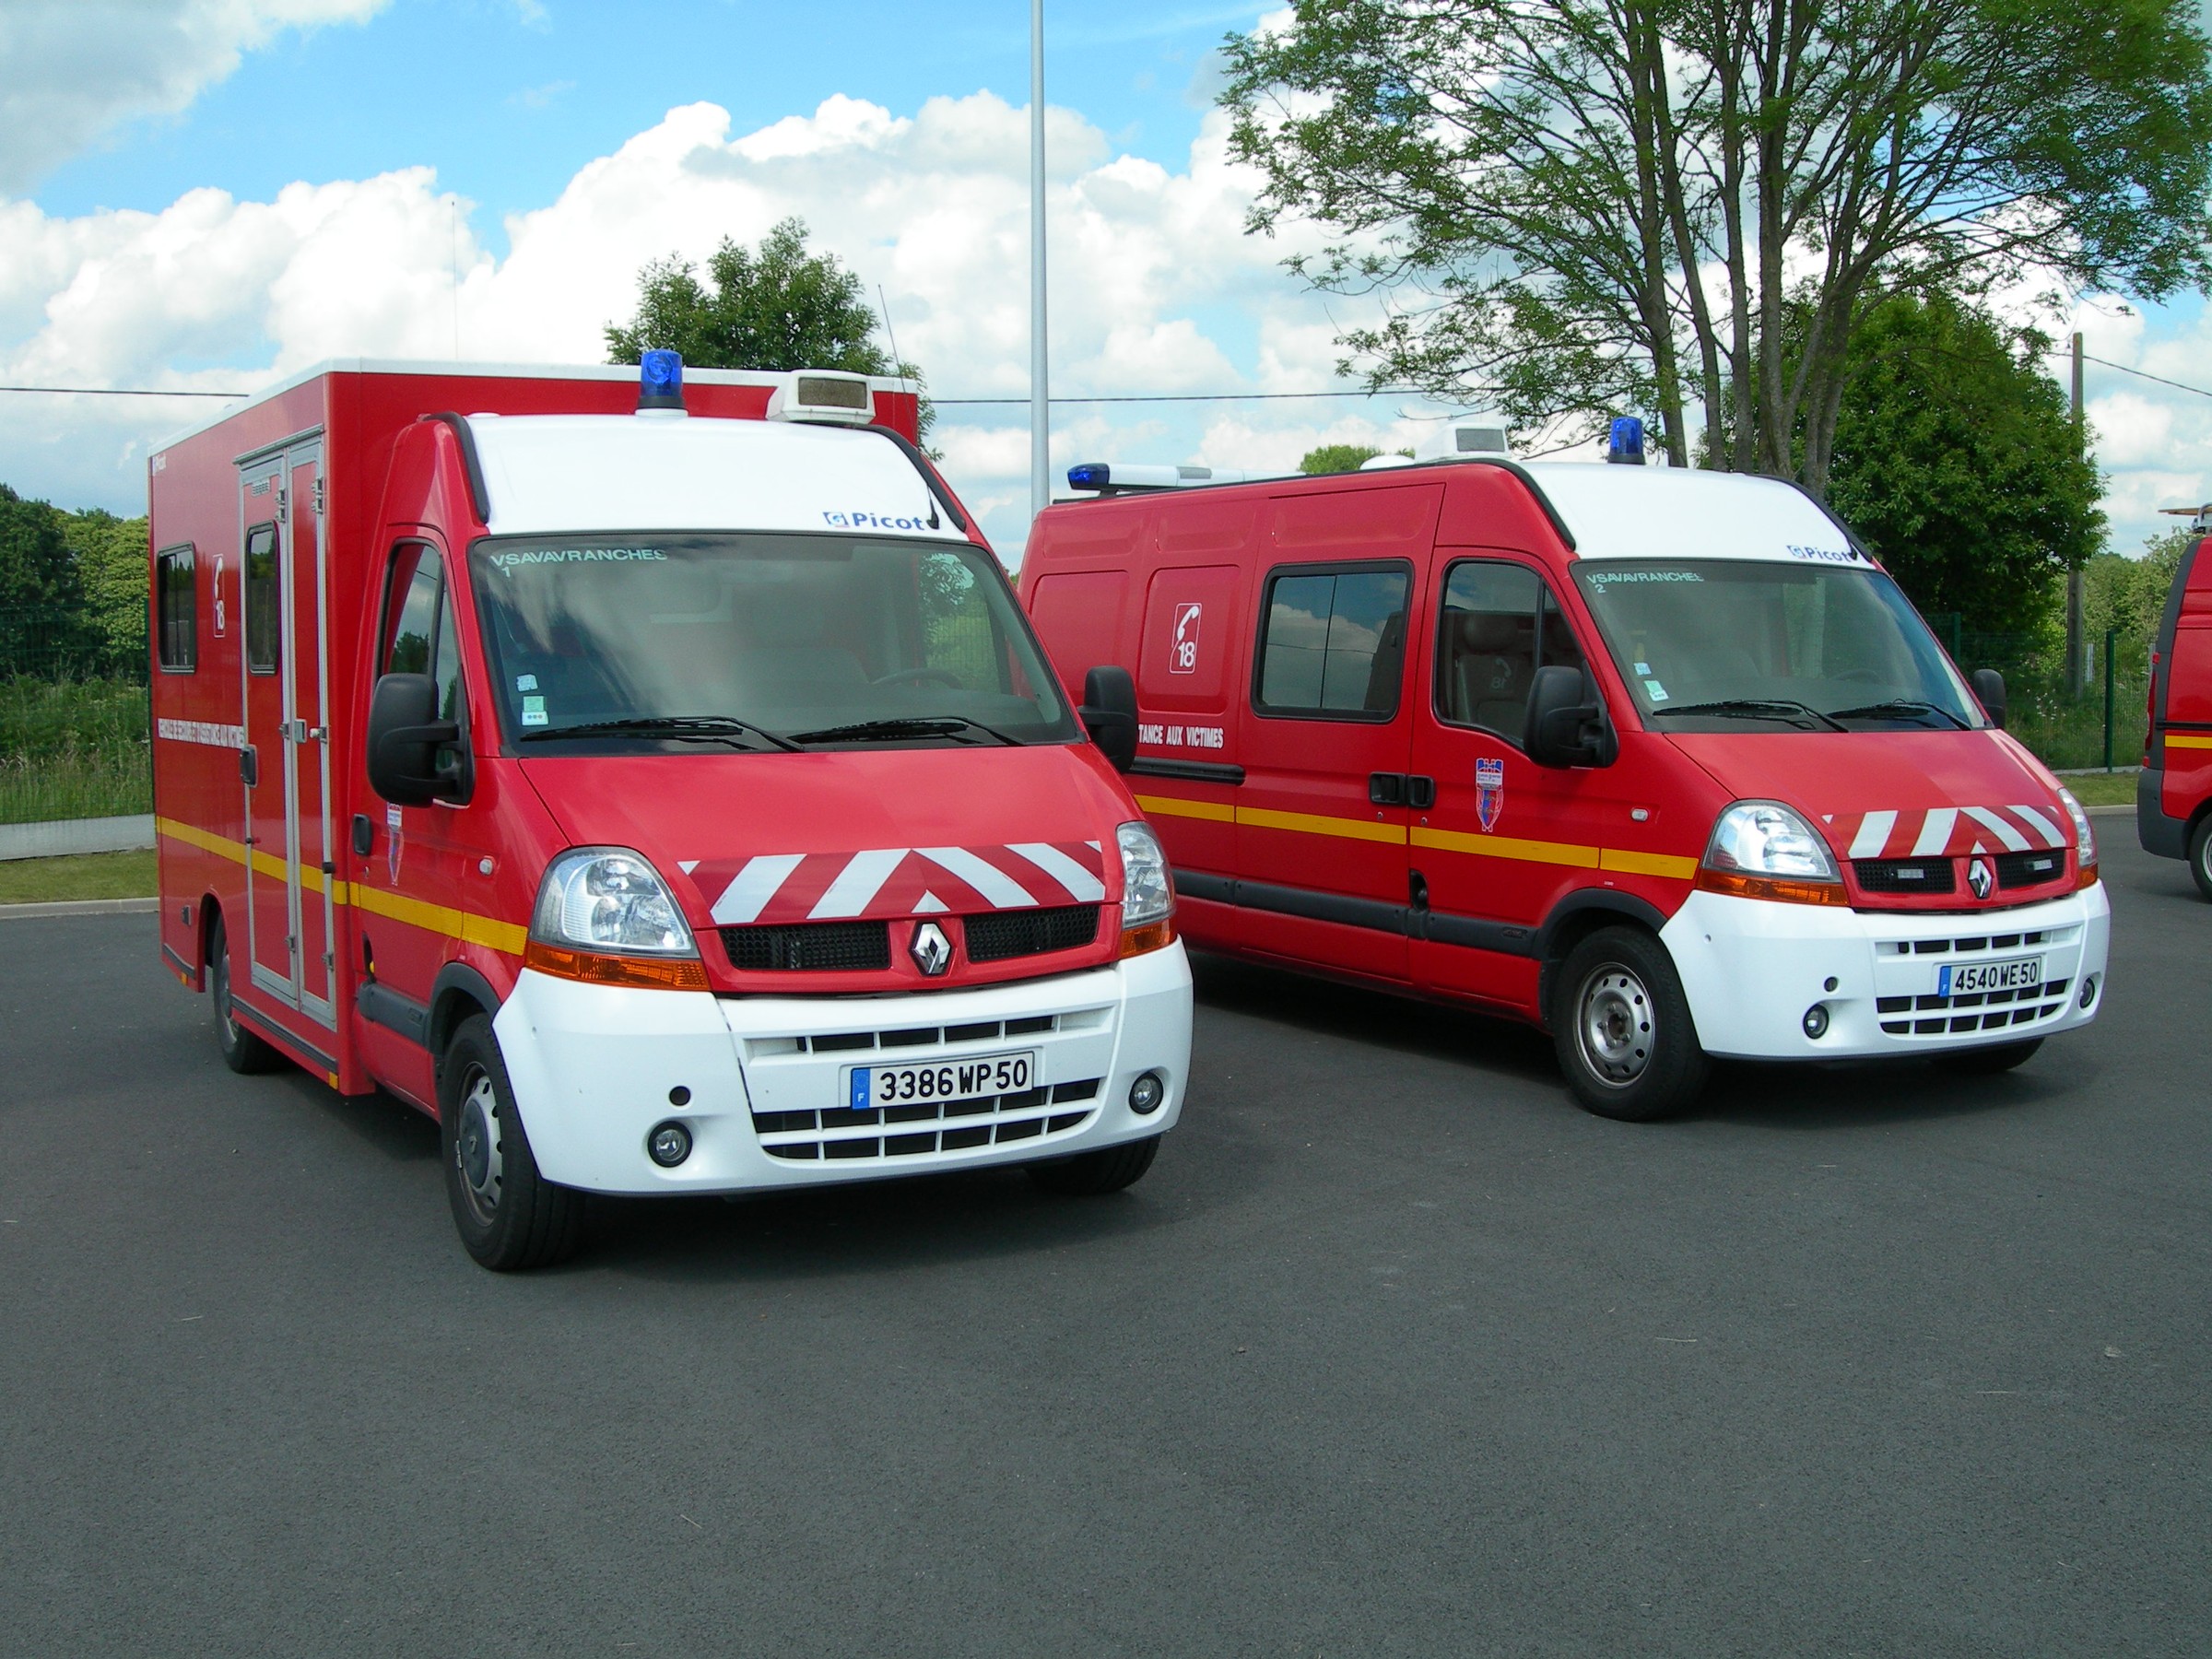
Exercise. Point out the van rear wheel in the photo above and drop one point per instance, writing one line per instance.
(244, 1051)
(1621, 1024)
(1090, 1174)
(509, 1216)
(2200, 855)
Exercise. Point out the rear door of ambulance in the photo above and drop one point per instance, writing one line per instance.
(2181, 724)
(1323, 811)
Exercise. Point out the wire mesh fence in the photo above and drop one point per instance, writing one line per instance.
(2096, 722)
(75, 733)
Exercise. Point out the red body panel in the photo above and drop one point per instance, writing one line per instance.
(1286, 843)
(2181, 739)
(346, 468)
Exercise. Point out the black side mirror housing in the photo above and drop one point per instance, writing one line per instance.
(1567, 723)
(1989, 691)
(1109, 714)
(404, 736)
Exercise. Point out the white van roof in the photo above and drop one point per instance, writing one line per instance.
(556, 475)
(1679, 512)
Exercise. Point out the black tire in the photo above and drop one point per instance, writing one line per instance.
(1623, 1030)
(2200, 855)
(244, 1051)
(509, 1216)
(1090, 1174)
(1987, 1062)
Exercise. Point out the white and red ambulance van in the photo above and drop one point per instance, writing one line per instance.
(2173, 792)
(668, 801)
(1657, 758)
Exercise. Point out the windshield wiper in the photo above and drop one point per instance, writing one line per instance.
(683, 728)
(919, 725)
(1900, 706)
(1755, 708)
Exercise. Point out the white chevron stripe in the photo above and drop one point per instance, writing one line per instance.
(761, 881)
(1935, 831)
(1081, 885)
(1003, 891)
(858, 883)
(1874, 835)
(2013, 840)
(2043, 826)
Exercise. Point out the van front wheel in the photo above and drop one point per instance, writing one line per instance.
(1089, 1174)
(510, 1216)
(1622, 1027)
(2200, 855)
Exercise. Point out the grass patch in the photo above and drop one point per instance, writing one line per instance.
(2104, 789)
(72, 750)
(80, 876)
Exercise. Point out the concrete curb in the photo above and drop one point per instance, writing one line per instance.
(81, 906)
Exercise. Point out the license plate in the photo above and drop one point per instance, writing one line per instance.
(872, 1088)
(1968, 979)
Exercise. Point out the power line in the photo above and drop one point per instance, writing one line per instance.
(2124, 369)
(116, 392)
(972, 403)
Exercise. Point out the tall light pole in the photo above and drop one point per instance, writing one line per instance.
(1041, 408)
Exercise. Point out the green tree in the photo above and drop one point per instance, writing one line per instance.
(1956, 462)
(1586, 207)
(1339, 457)
(2130, 594)
(778, 308)
(110, 556)
(40, 598)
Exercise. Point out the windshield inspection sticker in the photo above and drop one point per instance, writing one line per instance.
(1657, 691)
(529, 682)
(1490, 792)
(533, 711)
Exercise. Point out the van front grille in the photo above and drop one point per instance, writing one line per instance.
(1004, 934)
(810, 946)
(920, 1126)
(1905, 874)
(2030, 869)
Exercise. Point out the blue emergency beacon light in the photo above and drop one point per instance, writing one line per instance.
(660, 381)
(1624, 445)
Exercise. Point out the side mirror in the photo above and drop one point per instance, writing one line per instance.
(404, 736)
(1989, 691)
(1566, 725)
(1109, 714)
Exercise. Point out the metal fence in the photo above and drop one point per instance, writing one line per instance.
(2097, 722)
(74, 722)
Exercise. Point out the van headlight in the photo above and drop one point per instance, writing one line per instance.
(605, 916)
(1148, 891)
(1764, 850)
(2085, 837)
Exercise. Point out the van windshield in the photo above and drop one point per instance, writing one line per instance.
(717, 641)
(1726, 644)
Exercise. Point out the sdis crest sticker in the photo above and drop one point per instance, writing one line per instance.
(1490, 792)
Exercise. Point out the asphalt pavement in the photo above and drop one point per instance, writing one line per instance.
(1394, 1351)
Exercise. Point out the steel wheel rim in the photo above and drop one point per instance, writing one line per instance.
(231, 1033)
(1615, 1025)
(478, 1159)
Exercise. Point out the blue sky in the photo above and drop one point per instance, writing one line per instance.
(208, 193)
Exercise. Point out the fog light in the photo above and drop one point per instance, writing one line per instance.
(1147, 1093)
(1815, 1021)
(2089, 991)
(669, 1145)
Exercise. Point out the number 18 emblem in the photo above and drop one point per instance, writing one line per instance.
(1182, 648)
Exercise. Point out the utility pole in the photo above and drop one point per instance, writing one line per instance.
(1041, 404)
(2076, 674)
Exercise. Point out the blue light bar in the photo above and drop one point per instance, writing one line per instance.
(1624, 445)
(660, 380)
(1090, 474)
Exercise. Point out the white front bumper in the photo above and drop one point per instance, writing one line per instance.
(594, 1070)
(1752, 969)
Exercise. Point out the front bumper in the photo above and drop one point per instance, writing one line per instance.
(759, 1081)
(1752, 968)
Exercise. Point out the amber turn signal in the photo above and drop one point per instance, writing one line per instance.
(1155, 935)
(1786, 889)
(646, 973)
(2086, 877)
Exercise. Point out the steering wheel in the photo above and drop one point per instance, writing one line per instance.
(914, 676)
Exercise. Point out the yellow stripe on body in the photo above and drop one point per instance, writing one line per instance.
(1310, 823)
(465, 925)
(2189, 740)
(1672, 866)
(1177, 806)
(1506, 846)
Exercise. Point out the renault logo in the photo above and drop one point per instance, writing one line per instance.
(931, 950)
(1978, 879)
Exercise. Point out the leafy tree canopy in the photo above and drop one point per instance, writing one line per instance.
(1957, 462)
(2129, 595)
(777, 307)
(1339, 457)
(110, 556)
(1589, 208)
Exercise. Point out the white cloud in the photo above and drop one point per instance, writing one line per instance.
(76, 68)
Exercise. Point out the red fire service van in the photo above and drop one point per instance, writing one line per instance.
(1658, 759)
(2173, 792)
(667, 801)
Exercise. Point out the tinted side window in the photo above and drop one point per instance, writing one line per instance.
(176, 610)
(1333, 642)
(1498, 625)
(262, 631)
(413, 613)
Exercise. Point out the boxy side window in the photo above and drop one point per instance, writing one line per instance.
(263, 626)
(1332, 641)
(419, 635)
(176, 610)
(1498, 625)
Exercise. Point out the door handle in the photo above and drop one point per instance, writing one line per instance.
(1421, 793)
(248, 767)
(1386, 789)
